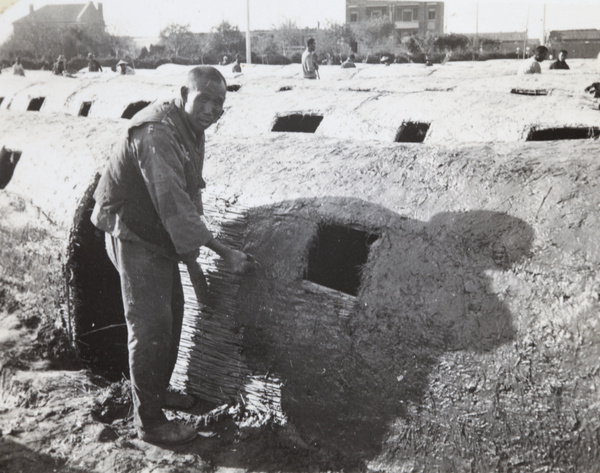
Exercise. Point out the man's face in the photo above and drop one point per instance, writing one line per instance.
(562, 56)
(311, 47)
(204, 106)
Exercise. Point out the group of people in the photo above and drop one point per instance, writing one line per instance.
(533, 64)
(310, 64)
(59, 67)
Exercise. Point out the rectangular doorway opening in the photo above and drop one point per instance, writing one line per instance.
(412, 132)
(36, 104)
(134, 108)
(336, 257)
(84, 110)
(564, 133)
(297, 123)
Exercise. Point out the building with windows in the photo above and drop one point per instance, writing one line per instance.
(579, 43)
(409, 17)
(515, 42)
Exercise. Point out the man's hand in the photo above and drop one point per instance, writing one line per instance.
(237, 260)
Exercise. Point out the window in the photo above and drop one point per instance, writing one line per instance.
(376, 14)
(431, 14)
(353, 16)
(407, 15)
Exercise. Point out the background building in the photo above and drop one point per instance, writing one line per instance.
(579, 43)
(409, 17)
(503, 43)
(85, 16)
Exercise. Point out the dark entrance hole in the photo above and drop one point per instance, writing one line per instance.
(298, 122)
(134, 108)
(565, 133)
(97, 313)
(36, 104)
(412, 132)
(84, 110)
(1, 100)
(529, 91)
(233, 87)
(285, 88)
(336, 257)
(8, 163)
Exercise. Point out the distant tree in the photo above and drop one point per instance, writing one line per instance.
(41, 41)
(226, 39)
(374, 33)
(265, 46)
(178, 40)
(453, 42)
(121, 46)
(36, 41)
(420, 44)
(144, 53)
(334, 40)
(157, 50)
(288, 37)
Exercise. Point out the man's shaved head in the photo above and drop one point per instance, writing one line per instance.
(203, 96)
(204, 76)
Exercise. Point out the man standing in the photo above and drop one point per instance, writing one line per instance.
(148, 202)
(18, 68)
(93, 65)
(60, 66)
(532, 65)
(237, 66)
(309, 60)
(561, 62)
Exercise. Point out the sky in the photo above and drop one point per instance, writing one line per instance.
(145, 18)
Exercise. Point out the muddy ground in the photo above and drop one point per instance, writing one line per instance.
(431, 391)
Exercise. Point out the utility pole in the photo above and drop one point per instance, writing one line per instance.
(248, 39)
(526, 41)
(543, 38)
(477, 24)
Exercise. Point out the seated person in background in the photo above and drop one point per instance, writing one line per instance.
(124, 68)
(561, 63)
(349, 62)
(595, 89)
(18, 68)
(532, 65)
(60, 65)
(224, 61)
(237, 67)
(93, 65)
